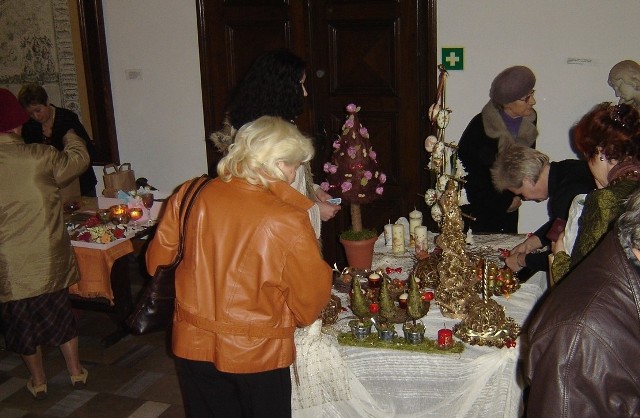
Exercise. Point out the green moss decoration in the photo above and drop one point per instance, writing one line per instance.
(351, 235)
(399, 343)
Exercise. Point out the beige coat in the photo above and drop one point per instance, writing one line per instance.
(252, 272)
(35, 251)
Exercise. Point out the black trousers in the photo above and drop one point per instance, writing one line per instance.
(208, 392)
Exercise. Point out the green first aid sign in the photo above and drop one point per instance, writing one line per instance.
(453, 58)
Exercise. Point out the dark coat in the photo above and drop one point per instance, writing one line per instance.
(478, 147)
(63, 121)
(567, 179)
(583, 343)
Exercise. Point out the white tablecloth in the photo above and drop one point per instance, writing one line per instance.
(479, 382)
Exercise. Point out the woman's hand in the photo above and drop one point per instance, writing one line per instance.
(517, 256)
(327, 210)
(321, 195)
(527, 246)
(514, 261)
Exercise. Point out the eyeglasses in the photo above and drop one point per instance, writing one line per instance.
(528, 97)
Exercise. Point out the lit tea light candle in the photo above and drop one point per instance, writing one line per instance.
(119, 214)
(388, 234)
(402, 300)
(397, 244)
(445, 338)
(374, 307)
(119, 209)
(374, 280)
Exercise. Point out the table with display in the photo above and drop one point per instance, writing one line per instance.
(105, 280)
(481, 381)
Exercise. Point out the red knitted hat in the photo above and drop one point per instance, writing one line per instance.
(12, 114)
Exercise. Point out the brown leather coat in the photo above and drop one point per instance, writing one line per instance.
(251, 273)
(585, 340)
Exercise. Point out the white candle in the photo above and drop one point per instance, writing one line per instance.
(388, 234)
(397, 244)
(402, 300)
(421, 238)
(415, 219)
(374, 280)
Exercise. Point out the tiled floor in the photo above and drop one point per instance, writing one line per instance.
(133, 378)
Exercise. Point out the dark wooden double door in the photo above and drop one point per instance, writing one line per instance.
(378, 54)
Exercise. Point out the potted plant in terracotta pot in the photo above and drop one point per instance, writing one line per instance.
(354, 175)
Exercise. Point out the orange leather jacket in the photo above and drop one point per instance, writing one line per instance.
(252, 272)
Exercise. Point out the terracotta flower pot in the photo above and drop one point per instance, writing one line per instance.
(359, 253)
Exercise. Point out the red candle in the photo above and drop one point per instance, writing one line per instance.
(445, 338)
(374, 307)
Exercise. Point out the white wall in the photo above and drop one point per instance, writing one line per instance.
(159, 119)
(540, 34)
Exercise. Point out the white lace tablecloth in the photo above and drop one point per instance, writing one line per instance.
(479, 382)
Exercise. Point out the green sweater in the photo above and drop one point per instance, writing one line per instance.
(602, 208)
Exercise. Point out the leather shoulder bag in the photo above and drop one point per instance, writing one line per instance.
(154, 310)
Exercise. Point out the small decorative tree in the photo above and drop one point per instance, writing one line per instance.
(388, 309)
(354, 173)
(359, 302)
(416, 307)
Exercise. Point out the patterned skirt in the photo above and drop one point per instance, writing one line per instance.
(41, 320)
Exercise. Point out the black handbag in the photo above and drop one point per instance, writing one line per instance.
(154, 310)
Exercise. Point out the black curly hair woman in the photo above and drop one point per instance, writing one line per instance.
(274, 86)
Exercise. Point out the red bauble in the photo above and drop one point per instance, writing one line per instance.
(427, 296)
(509, 343)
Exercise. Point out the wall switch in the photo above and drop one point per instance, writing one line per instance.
(133, 74)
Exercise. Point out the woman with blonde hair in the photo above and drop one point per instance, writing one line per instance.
(528, 173)
(251, 273)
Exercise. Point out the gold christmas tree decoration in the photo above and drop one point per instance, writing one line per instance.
(486, 322)
(456, 272)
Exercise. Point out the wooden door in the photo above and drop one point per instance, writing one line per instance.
(378, 54)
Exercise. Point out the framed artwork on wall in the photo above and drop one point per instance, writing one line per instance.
(60, 44)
